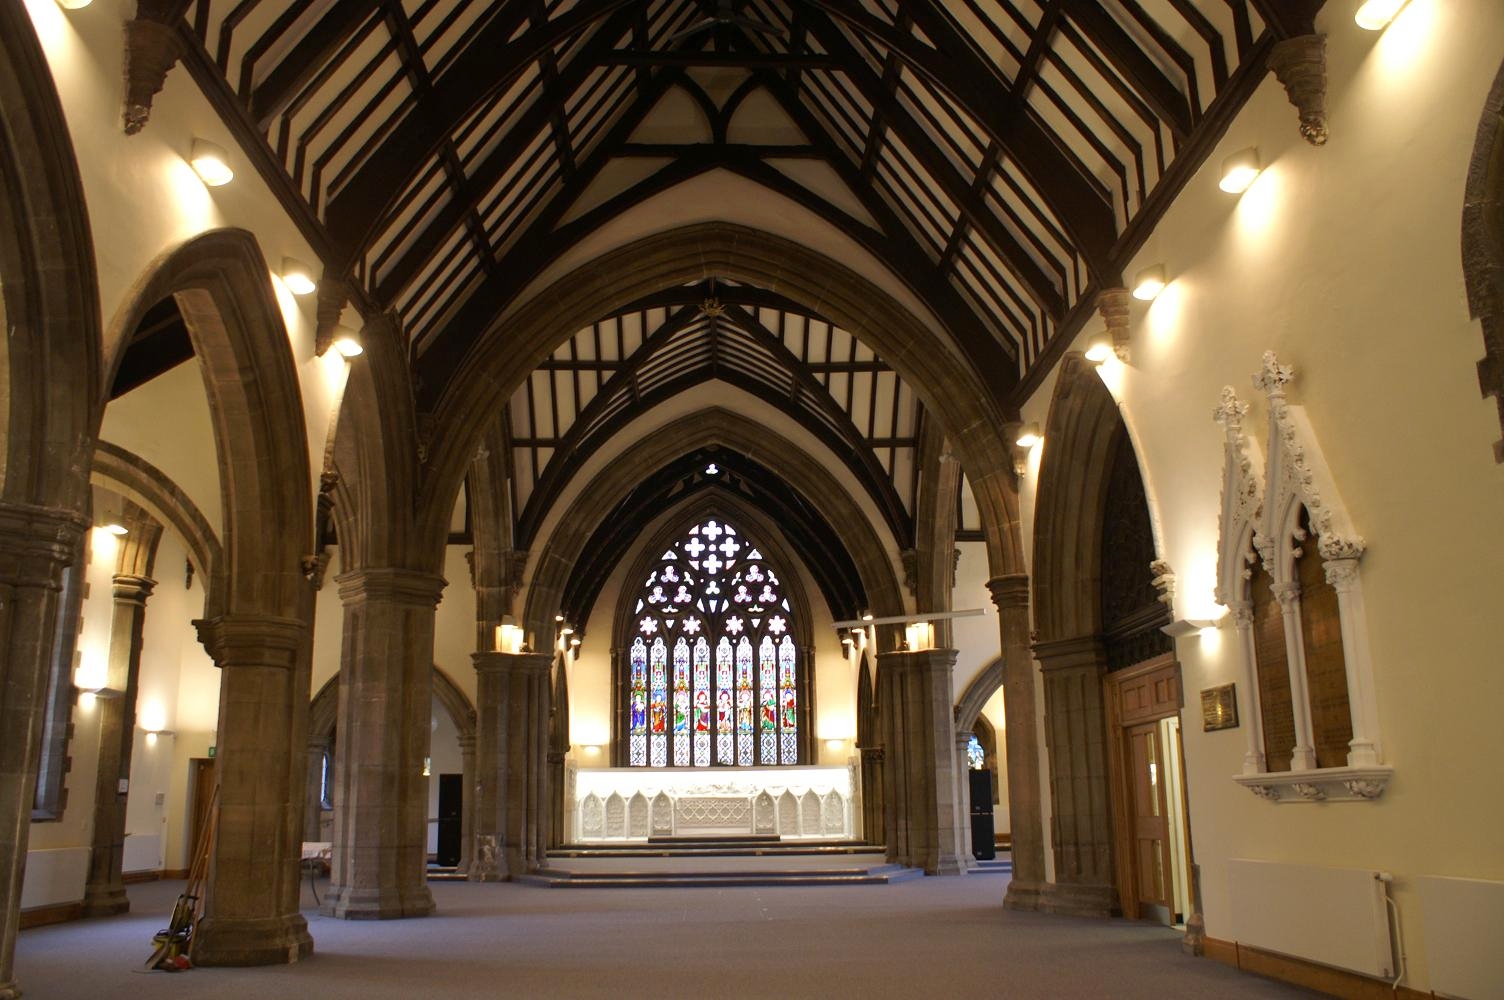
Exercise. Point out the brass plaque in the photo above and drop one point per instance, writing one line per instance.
(1219, 708)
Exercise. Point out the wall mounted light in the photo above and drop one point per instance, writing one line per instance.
(1239, 170)
(508, 638)
(73, 4)
(347, 343)
(152, 734)
(297, 276)
(1029, 435)
(211, 163)
(1099, 349)
(1149, 283)
(919, 635)
(1375, 15)
(115, 529)
(1182, 627)
(866, 616)
(835, 745)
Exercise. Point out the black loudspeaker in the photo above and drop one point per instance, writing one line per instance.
(451, 810)
(982, 847)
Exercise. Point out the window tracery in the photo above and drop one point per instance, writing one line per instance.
(713, 609)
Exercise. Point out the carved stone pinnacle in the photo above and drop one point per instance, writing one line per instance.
(1230, 411)
(1273, 377)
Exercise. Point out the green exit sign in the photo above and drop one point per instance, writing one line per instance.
(211, 750)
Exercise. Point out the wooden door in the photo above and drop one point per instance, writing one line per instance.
(1150, 817)
(201, 777)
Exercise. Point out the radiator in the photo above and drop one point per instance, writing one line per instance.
(1334, 916)
(143, 852)
(1463, 920)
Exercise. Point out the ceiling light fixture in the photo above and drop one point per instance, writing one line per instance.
(1099, 349)
(1149, 283)
(1375, 15)
(297, 276)
(1239, 170)
(347, 343)
(1028, 435)
(211, 163)
(712, 469)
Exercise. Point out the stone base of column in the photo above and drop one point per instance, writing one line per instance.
(107, 903)
(1069, 900)
(10, 991)
(1024, 895)
(261, 941)
(377, 904)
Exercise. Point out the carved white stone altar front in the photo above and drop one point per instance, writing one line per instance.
(626, 804)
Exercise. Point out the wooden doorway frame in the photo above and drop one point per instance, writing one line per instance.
(1143, 693)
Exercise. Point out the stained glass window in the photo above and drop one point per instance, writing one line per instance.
(714, 674)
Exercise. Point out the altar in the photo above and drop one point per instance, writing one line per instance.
(635, 803)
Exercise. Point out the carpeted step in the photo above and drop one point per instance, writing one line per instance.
(557, 878)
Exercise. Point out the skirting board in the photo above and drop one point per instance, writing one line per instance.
(131, 878)
(1324, 978)
(57, 913)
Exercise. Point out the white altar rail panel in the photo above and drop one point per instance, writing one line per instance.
(795, 803)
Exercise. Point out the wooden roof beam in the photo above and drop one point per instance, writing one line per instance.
(306, 59)
(1156, 89)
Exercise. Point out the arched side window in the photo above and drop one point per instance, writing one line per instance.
(714, 674)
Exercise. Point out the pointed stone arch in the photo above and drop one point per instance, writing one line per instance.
(261, 639)
(504, 355)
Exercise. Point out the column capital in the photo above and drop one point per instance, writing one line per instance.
(917, 659)
(401, 586)
(1065, 654)
(132, 589)
(497, 663)
(466, 742)
(1010, 591)
(252, 640)
(36, 542)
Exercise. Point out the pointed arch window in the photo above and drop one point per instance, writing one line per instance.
(715, 677)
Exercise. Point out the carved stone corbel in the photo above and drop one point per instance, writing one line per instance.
(1113, 306)
(152, 47)
(1299, 64)
(910, 559)
(1164, 583)
(333, 294)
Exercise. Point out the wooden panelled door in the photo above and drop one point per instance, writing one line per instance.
(1150, 833)
(1150, 816)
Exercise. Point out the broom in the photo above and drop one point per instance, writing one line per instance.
(171, 951)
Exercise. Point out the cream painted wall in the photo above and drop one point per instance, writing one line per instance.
(1345, 260)
(978, 640)
(144, 200)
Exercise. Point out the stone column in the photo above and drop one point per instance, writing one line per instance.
(511, 750)
(467, 802)
(1076, 733)
(915, 692)
(1248, 702)
(313, 799)
(36, 544)
(1342, 574)
(963, 797)
(874, 825)
(380, 865)
(1011, 595)
(251, 913)
(104, 892)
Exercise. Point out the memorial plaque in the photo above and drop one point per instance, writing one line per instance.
(1219, 708)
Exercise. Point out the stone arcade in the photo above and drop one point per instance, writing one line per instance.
(452, 432)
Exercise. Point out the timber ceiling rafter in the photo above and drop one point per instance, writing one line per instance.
(612, 372)
(995, 154)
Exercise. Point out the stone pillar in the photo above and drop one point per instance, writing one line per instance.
(467, 802)
(1011, 595)
(1363, 749)
(963, 797)
(915, 692)
(380, 864)
(36, 544)
(251, 912)
(313, 799)
(104, 892)
(1248, 702)
(511, 750)
(874, 825)
(1076, 733)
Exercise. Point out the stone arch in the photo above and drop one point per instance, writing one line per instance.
(504, 355)
(323, 710)
(261, 639)
(713, 426)
(1483, 245)
(49, 294)
(136, 479)
(981, 689)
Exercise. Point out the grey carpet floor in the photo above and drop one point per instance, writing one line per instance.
(925, 938)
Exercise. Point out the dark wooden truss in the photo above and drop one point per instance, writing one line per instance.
(614, 371)
(1002, 157)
